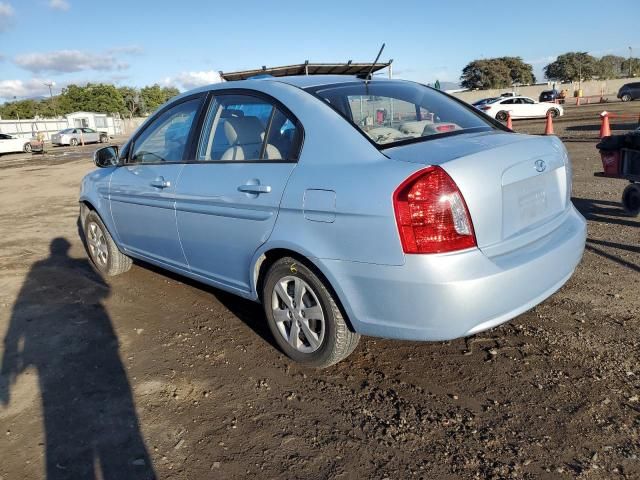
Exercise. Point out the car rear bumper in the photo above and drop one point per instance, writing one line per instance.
(441, 297)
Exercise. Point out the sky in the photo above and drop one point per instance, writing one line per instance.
(185, 43)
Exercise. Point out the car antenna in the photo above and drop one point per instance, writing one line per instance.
(370, 73)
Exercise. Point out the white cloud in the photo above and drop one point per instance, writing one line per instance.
(20, 88)
(65, 61)
(6, 16)
(59, 4)
(189, 80)
(126, 50)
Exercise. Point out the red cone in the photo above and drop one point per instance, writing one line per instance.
(509, 122)
(548, 128)
(605, 129)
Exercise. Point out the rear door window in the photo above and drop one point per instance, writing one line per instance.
(247, 128)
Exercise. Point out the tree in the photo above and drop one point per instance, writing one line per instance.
(94, 97)
(572, 66)
(520, 73)
(155, 95)
(610, 66)
(635, 67)
(497, 73)
(133, 102)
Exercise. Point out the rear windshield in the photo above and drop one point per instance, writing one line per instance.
(67, 130)
(390, 112)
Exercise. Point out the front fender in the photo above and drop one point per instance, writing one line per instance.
(94, 191)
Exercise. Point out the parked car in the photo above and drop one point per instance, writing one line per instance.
(278, 191)
(75, 136)
(629, 91)
(484, 101)
(11, 144)
(551, 96)
(520, 107)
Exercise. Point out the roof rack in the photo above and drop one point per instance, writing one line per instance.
(306, 68)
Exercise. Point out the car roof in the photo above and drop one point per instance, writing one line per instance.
(300, 81)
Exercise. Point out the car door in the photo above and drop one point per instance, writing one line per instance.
(227, 200)
(6, 143)
(530, 108)
(508, 106)
(142, 191)
(90, 135)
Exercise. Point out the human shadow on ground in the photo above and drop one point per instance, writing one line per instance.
(60, 328)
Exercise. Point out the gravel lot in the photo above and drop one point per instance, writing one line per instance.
(151, 375)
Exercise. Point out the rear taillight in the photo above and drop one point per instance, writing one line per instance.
(431, 213)
(485, 108)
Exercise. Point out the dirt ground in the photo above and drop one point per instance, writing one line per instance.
(150, 375)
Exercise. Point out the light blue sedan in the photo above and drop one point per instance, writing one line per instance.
(346, 206)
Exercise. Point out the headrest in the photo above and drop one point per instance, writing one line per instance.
(243, 130)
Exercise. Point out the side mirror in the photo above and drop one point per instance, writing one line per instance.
(106, 157)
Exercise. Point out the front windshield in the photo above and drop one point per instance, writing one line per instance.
(393, 111)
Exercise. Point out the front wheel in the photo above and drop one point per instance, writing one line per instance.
(104, 138)
(73, 142)
(626, 97)
(303, 315)
(631, 199)
(103, 251)
(553, 112)
(27, 148)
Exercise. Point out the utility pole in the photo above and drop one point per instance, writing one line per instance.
(51, 84)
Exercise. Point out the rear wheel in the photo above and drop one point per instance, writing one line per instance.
(304, 317)
(73, 142)
(27, 148)
(502, 116)
(104, 253)
(553, 112)
(631, 199)
(626, 97)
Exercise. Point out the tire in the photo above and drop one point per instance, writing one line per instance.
(27, 148)
(631, 199)
(105, 256)
(330, 339)
(501, 116)
(73, 142)
(626, 97)
(104, 138)
(553, 112)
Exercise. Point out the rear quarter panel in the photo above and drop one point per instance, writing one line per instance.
(358, 224)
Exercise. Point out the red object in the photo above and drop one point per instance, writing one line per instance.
(448, 127)
(431, 214)
(380, 116)
(605, 128)
(610, 161)
(548, 128)
(509, 122)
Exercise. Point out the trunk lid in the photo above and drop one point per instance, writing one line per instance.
(517, 187)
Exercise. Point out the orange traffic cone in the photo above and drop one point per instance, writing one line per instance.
(548, 128)
(509, 122)
(605, 129)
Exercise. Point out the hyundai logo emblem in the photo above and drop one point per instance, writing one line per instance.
(541, 165)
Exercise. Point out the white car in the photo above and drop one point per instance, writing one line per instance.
(520, 107)
(11, 143)
(75, 136)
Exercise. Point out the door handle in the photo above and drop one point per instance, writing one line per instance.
(160, 182)
(257, 189)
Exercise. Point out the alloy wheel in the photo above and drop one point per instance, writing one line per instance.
(97, 244)
(298, 314)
